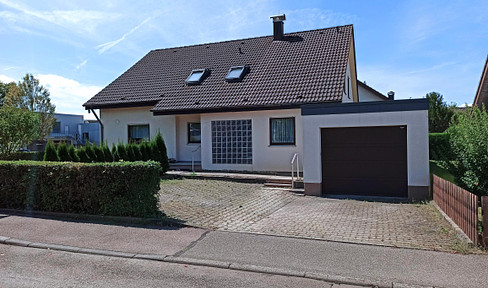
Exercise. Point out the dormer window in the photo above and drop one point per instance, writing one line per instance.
(196, 76)
(236, 73)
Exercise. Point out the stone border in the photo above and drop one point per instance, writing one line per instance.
(460, 233)
(337, 279)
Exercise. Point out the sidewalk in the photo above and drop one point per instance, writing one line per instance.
(323, 260)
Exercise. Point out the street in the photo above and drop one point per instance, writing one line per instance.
(30, 267)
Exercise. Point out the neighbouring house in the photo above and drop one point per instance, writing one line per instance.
(482, 92)
(71, 129)
(256, 104)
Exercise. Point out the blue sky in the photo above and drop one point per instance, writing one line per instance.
(77, 47)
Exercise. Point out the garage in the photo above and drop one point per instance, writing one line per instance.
(365, 161)
(368, 149)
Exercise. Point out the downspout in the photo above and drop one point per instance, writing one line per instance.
(101, 125)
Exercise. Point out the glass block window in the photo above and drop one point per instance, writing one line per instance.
(137, 133)
(282, 131)
(194, 133)
(232, 142)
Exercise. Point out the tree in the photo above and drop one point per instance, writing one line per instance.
(30, 95)
(50, 154)
(468, 135)
(440, 113)
(17, 129)
(73, 154)
(160, 152)
(122, 152)
(63, 153)
(107, 154)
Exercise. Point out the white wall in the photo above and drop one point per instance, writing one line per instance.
(417, 140)
(184, 151)
(366, 95)
(266, 157)
(115, 124)
(347, 97)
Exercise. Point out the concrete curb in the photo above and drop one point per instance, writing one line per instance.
(210, 263)
(460, 233)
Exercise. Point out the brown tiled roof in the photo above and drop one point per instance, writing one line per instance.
(482, 92)
(308, 67)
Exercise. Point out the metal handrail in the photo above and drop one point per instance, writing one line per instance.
(193, 157)
(293, 160)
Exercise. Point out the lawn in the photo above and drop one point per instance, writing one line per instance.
(437, 169)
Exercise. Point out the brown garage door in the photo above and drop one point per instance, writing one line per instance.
(366, 161)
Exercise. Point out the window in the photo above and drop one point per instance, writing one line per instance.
(236, 73)
(138, 133)
(232, 142)
(57, 127)
(194, 133)
(86, 136)
(196, 76)
(282, 131)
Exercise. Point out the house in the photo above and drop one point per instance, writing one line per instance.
(257, 104)
(71, 129)
(482, 92)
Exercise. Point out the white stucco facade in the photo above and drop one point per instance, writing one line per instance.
(366, 95)
(116, 123)
(266, 157)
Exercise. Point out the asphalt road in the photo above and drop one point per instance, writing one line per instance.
(31, 267)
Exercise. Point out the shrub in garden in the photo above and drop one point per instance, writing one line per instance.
(137, 152)
(122, 152)
(100, 156)
(130, 152)
(90, 152)
(160, 152)
(440, 147)
(117, 188)
(107, 154)
(34, 156)
(114, 153)
(145, 151)
(50, 153)
(72, 154)
(81, 153)
(63, 153)
(469, 141)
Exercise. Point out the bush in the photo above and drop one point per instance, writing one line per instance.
(50, 154)
(130, 152)
(114, 153)
(33, 156)
(63, 153)
(117, 189)
(122, 152)
(107, 154)
(100, 156)
(440, 147)
(137, 152)
(90, 152)
(145, 151)
(469, 141)
(72, 154)
(160, 152)
(81, 153)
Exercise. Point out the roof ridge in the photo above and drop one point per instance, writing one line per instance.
(249, 38)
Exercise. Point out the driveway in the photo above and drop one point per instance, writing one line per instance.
(253, 208)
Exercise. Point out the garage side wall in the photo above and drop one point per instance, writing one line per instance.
(417, 144)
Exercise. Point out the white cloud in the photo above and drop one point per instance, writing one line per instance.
(105, 46)
(81, 64)
(6, 79)
(68, 95)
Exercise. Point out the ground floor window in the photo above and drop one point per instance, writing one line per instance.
(232, 142)
(282, 131)
(194, 133)
(138, 133)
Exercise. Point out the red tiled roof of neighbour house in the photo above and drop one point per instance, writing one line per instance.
(482, 92)
(307, 67)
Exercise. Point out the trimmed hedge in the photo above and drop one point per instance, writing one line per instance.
(116, 189)
(33, 156)
(440, 147)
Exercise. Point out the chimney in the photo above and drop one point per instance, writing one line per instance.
(391, 95)
(278, 26)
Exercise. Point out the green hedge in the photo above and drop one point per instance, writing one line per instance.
(440, 147)
(116, 189)
(34, 156)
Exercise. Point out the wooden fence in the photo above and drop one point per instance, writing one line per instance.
(460, 205)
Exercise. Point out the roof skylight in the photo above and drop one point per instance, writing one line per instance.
(236, 73)
(196, 76)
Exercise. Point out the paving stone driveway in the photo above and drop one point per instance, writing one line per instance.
(244, 207)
